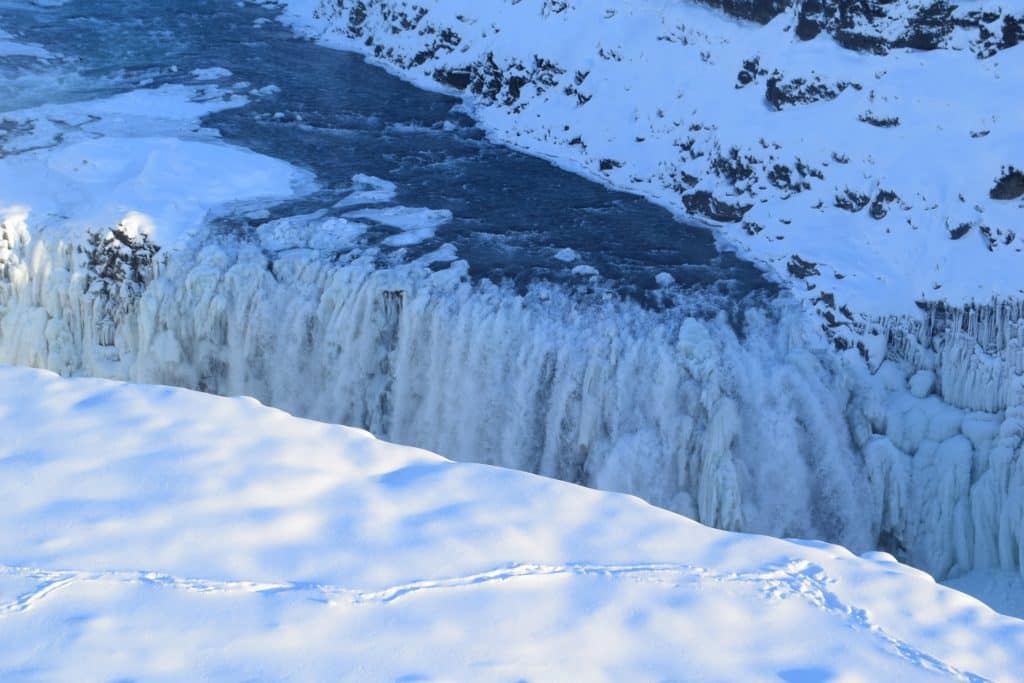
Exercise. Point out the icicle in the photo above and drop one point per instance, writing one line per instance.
(760, 434)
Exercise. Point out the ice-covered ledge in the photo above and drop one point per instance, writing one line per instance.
(156, 532)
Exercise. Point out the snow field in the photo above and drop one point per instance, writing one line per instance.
(160, 534)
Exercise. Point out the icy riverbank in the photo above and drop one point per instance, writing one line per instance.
(154, 533)
(870, 181)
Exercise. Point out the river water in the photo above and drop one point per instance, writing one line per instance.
(511, 214)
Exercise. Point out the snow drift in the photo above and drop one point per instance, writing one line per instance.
(159, 534)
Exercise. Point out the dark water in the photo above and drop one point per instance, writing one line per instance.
(338, 117)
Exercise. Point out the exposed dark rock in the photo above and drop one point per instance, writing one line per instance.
(986, 235)
(784, 178)
(682, 181)
(704, 203)
(879, 121)
(808, 172)
(781, 93)
(959, 231)
(993, 35)
(515, 87)
(750, 72)
(929, 28)
(455, 78)
(864, 24)
(734, 167)
(609, 164)
(488, 78)
(761, 11)
(880, 205)
(800, 268)
(852, 201)
(356, 18)
(1009, 186)
(1013, 31)
(554, 7)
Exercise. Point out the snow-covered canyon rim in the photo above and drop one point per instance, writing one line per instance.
(159, 534)
(142, 242)
(869, 153)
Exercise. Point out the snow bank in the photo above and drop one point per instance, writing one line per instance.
(869, 181)
(154, 533)
(138, 157)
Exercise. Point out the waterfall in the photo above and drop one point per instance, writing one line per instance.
(768, 431)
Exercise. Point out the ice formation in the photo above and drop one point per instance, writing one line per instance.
(763, 433)
(811, 153)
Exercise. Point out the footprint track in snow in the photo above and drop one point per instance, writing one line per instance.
(800, 579)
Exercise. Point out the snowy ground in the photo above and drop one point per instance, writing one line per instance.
(159, 534)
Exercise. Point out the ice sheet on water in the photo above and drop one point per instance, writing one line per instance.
(82, 161)
(10, 47)
(415, 224)
(367, 189)
(213, 73)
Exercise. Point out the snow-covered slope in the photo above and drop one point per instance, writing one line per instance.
(158, 534)
(871, 180)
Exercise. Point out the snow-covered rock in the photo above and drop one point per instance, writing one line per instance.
(159, 534)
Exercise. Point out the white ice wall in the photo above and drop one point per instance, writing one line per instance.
(764, 433)
(743, 434)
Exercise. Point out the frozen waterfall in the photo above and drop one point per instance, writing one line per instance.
(765, 432)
